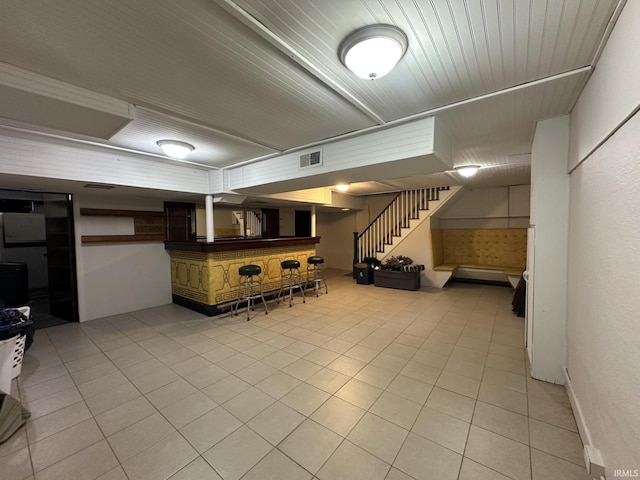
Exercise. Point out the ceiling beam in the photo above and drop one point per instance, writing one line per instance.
(259, 28)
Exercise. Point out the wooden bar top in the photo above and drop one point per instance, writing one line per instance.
(240, 244)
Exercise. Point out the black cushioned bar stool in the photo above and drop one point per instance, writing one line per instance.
(247, 288)
(290, 279)
(315, 274)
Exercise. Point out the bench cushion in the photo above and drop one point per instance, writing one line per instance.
(481, 267)
(450, 267)
(447, 267)
(514, 271)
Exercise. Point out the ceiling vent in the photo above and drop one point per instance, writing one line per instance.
(311, 159)
(99, 186)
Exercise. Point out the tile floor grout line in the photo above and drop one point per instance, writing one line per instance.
(300, 329)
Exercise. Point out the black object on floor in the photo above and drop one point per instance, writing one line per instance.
(14, 284)
(519, 298)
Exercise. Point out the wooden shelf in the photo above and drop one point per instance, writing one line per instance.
(102, 212)
(121, 238)
(148, 226)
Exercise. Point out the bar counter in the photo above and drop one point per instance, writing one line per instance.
(204, 276)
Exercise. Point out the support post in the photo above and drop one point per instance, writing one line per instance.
(355, 253)
(208, 204)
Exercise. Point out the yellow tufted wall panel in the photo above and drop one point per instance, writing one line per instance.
(212, 278)
(491, 247)
(436, 247)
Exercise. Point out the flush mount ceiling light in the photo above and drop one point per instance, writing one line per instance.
(342, 187)
(468, 170)
(175, 149)
(372, 52)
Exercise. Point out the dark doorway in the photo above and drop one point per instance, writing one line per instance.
(61, 259)
(37, 231)
(270, 223)
(181, 221)
(303, 223)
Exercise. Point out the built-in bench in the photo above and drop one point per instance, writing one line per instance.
(490, 254)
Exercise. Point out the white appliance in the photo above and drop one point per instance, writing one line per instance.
(23, 240)
(528, 276)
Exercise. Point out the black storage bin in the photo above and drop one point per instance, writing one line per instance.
(364, 274)
(409, 280)
(14, 284)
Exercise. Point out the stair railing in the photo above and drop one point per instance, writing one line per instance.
(253, 225)
(404, 207)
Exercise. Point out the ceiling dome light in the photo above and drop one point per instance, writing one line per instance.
(468, 170)
(372, 52)
(342, 187)
(175, 149)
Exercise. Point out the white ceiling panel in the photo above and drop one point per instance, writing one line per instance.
(457, 50)
(240, 79)
(487, 131)
(212, 148)
(498, 176)
(187, 58)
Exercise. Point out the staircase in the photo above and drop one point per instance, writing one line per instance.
(253, 225)
(391, 222)
(250, 222)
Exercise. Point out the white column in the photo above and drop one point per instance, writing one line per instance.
(208, 205)
(313, 220)
(550, 186)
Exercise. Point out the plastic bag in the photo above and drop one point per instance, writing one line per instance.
(12, 416)
(13, 322)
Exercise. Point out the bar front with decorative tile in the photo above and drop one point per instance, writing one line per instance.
(204, 276)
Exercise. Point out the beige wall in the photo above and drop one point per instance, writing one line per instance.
(287, 222)
(374, 204)
(336, 238)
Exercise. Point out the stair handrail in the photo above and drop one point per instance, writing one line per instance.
(405, 206)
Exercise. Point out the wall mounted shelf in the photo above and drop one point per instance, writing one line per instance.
(148, 226)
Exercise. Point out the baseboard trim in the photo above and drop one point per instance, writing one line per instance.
(577, 413)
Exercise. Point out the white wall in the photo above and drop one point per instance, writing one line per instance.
(604, 261)
(612, 93)
(31, 155)
(604, 255)
(118, 277)
(499, 207)
(417, 246)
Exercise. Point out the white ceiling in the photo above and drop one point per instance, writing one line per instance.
(243, 79)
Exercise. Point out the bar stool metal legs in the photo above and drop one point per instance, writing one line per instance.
(290, 278)
(315, 274)
(248, 290)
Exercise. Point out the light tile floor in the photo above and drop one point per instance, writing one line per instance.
(363, 383)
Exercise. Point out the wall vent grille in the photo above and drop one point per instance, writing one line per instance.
(311, 159)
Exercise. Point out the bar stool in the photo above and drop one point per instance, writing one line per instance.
(290, 278)
(246, 279)
(315, 273)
